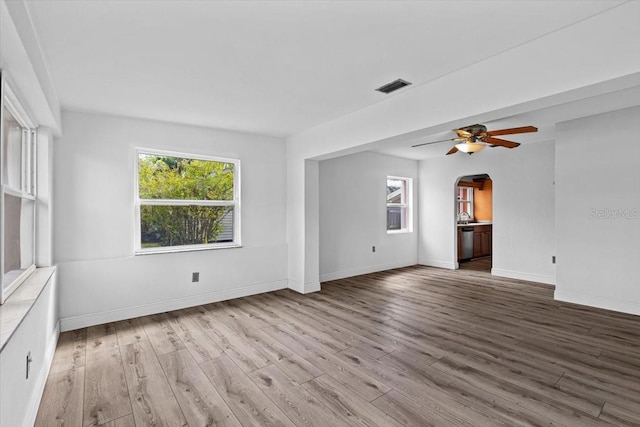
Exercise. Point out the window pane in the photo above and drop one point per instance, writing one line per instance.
(18, 237)
(166, 177)
(464, 207)
(395, 218)
(395, 191)
(464, 193)
(163, 226)
(12, 151)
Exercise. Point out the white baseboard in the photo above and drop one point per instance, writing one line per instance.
(327, 277)
(311, 287)
(622, 306)
(304, 288)
(296, 286)
(41, 381)
(529, 277)
(440, 264)
(82, 321)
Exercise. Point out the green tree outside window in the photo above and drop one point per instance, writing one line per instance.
(163, 180)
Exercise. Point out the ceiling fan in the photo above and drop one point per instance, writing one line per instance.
(474, 138)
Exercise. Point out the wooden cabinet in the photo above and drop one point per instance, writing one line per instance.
(481, 241)
(477, 237)
(487, 244)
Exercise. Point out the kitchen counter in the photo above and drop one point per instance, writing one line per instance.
(474, 224)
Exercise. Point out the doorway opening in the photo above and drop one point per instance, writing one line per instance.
(474, 222)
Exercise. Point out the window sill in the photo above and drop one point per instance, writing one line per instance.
(18, 305)
(184, 249)
(399, 231)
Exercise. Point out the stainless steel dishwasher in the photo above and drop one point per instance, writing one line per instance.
(467, 242)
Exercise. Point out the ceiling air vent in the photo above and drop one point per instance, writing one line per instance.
(393, 86)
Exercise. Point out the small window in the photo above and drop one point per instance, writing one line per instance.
(465, 203)
(186, 202)
(18, 198)
(398, 205)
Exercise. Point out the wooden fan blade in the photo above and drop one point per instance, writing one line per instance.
(501, 142)
(434, 142)
(454, 149)
(512, 131)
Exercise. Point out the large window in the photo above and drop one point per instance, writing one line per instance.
(186, 202)
(17, 201)
(398, 205)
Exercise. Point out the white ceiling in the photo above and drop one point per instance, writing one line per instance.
(272, 67)
(544, 119)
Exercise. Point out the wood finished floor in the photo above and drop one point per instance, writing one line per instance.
(416, 346)
(478, 264)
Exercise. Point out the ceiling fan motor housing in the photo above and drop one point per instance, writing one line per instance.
(472, 133)
(475, 130)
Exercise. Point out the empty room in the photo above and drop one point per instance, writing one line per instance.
(319, 213)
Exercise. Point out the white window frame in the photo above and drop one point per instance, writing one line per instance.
(469, 201)
(139, 250)
(27, 190)
(407, 205)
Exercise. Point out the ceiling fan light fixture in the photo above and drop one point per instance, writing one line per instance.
(470, 147)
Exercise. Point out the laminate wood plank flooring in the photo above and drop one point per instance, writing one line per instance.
(248, 403)
(413, 414)
(248, 357)
(416, 346)
(162, 336)
(70, 352)
(130, 331)
(478, 264)
(62, 398)
(295, 366)
(297, 403)
(152, 399)
(126, 421)
(199, 344)
(201, 403)
(342, 401)
(106, 397)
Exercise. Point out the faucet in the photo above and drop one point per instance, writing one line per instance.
(463, 217)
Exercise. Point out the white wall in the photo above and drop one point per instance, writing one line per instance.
(302, 221)
(312, 226)
(100, 279)
(542, 73)
(598, 210)
(523, 209)
(353, 216)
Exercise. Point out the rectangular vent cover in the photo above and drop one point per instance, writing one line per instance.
(393, 86)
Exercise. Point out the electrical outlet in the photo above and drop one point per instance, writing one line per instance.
(29, 360)
(373, 248)
(195, 276)
(553, 259)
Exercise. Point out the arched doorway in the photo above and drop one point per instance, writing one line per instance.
(474, 222)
